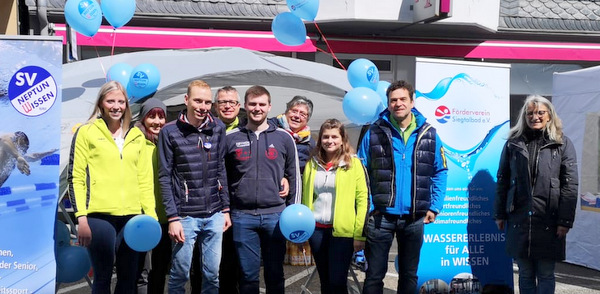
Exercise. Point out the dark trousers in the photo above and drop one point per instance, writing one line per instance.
(332, 256)
(160, 260)
(107, 242)
(255, 236)
(229, 272)
(381, 229)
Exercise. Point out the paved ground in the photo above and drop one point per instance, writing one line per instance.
(571, 279)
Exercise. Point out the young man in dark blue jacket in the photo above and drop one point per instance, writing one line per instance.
(258, 156)
(407, 171)
(194, 187)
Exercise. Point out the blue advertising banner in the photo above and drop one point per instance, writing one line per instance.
(468, 104)
(30, 98)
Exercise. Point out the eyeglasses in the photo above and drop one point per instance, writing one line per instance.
(538, 113)
(222, 103)
(299, 113)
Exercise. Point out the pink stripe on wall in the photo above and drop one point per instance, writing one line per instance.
(480, 50)
(160, 38)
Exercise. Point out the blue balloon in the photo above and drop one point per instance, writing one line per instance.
(297, 223)
(62, 235)
(142, 233)
(118, 12)
(396, 264)
(304, 9)
(362, 105)
(72, 264)
(85, 16)
(382, 87)
(143, 81)
(289, 29)
(120, 72)
(363, 73)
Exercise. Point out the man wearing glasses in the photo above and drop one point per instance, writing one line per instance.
(227, 102)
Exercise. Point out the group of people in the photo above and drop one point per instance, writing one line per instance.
(221, 182)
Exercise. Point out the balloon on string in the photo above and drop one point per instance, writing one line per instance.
(142, 233)
(362, 105)
(304, 9)
(382, 87)
(85, 16)
(118, 12)
(143, 81)
(297, 223)
(120, 72)
(363, 73)
(72, 264)
(62, 235)
(288, 29)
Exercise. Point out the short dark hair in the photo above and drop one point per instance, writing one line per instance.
(256, 91)
(401, 84)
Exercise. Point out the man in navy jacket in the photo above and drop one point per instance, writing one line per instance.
(258, 156)
(194, 187)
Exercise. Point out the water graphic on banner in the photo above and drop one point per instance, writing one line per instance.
(468, 105)
(29, 141)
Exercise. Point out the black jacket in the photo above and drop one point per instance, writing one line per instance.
(192, 170)
(534, 207)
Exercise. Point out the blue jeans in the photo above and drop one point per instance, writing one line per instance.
(332, 256)
(209, 232)
(380, 235)
(532, 269)
(254, 235)
(107, 242)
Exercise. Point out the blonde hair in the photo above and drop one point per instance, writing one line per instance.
(98, 111)
(553, 127)
(344, 153)
(197, 83)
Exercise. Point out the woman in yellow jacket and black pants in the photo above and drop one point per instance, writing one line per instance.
(110, 181)
(335, 189)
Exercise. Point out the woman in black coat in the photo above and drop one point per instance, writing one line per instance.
(536, 194)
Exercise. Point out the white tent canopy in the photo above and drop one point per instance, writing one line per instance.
(284, 77)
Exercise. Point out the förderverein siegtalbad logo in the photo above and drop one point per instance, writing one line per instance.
(32, 91)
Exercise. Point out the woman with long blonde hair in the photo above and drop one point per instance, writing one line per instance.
(110, 181)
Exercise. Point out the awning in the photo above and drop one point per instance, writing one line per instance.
(175, 38)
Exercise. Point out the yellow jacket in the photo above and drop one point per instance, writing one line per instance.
(119, 183)
(351, 198)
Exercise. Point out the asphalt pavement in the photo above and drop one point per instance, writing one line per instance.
(570, 279)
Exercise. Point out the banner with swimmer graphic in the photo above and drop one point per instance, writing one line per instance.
(30, 98)
(468, 104)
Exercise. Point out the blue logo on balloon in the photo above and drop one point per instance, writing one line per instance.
(373, 75)
(140, 79)
(87, 9)
(299, 236)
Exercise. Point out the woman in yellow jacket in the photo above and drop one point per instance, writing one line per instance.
(110, 181)
(152, 119)
(335, 189)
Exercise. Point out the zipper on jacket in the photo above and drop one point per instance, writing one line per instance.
(185, 186)
(417, 142)
(533, 181)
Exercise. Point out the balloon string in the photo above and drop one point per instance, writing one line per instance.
(98, 55)
(329, 47)
(112, 50)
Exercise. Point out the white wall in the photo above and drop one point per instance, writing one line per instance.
(480, 12)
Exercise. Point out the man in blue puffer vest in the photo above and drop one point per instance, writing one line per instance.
(407, 169)
(194, 187)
